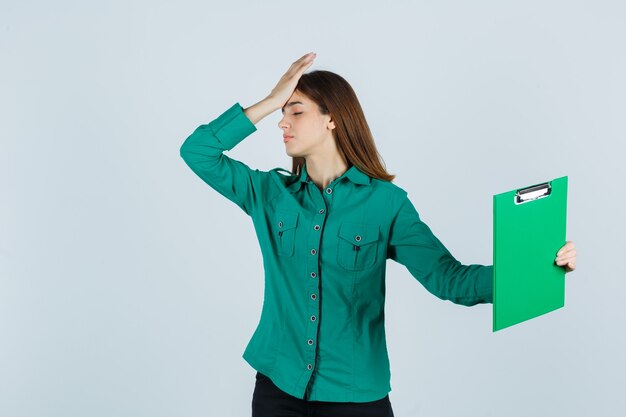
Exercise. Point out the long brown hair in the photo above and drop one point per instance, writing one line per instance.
(333, 95)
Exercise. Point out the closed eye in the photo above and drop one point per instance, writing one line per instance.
(297, 113)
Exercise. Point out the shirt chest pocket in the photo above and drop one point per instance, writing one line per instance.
(358, 245)
(284, 227)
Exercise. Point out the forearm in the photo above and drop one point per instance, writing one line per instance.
(258, 111)
(462, 284)
(207, 142)
(203, 151)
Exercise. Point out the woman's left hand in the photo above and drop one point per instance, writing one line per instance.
(566, 256)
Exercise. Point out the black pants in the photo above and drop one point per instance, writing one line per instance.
(270, 401)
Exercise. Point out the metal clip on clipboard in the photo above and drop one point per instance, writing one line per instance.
(534, 192)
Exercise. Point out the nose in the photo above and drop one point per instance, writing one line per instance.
(282, 124)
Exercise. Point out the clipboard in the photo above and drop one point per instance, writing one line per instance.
(528, 230)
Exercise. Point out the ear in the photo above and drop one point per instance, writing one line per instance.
(331, 124)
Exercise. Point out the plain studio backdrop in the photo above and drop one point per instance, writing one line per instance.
(130, 288)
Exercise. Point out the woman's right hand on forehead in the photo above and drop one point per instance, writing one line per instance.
(287, 83)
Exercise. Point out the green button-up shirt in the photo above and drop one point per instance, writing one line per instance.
(321, 335)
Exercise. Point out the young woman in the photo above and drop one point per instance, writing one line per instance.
(326, 230)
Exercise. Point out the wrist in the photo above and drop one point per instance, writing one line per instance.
(272, 103)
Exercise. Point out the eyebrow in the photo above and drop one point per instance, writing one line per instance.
(291, 103)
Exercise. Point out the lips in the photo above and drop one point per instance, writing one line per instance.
(287, 138)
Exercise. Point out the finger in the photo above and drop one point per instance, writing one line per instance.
(306, 61)
(567, 255)
(296, 72)
(562, 262)
(566, 248)
(303, 59)
(565, 260)
(295, 64)
(298, 67)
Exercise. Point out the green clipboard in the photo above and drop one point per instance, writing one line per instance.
(528, 230)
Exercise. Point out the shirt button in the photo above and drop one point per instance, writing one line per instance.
(313, 251)
(321, 211)
(316, 227)
(313, 296)
(329, 190)
(313, 274)
(310, 342)
(313, 318)
(357, 238)
(280, 224)
(309, 367)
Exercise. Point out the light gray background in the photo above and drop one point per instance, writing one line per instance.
(130, 288)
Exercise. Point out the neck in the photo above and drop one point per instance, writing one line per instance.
(323, 171)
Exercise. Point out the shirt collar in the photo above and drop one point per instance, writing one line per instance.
(353, 174)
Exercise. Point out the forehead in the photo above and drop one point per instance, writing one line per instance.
(294, 100)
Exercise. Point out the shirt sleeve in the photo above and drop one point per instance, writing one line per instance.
(203, 151)
(412, 244)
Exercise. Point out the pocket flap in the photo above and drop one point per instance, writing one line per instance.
(358, 233)
(286, 220)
